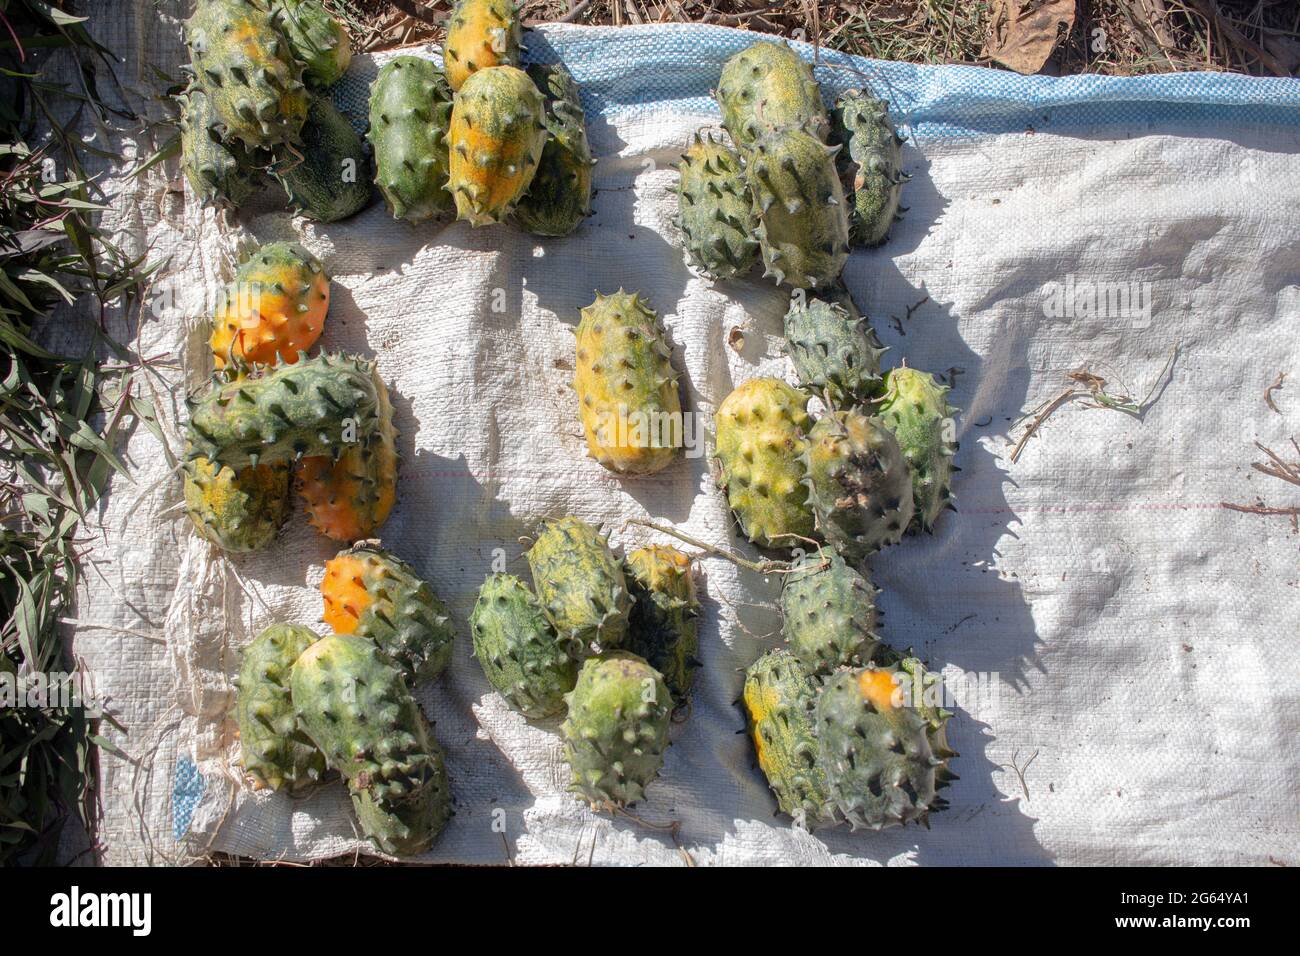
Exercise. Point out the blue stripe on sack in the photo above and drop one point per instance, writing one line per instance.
(640, 70)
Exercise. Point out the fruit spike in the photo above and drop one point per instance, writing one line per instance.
(518, 649)
(664, 626)
(627, 390)
(828, 613)
(496, 138)
(350, 499)
(803, 225)
(327, 178)
(882, 745)
(580, 585)
(858, 484)
(761, 440)
(353, 702)
(870, 166)
(220, 174)
(274, 309)
(410, 110)
(768, 86)
(275, 751)
(717, 210)
(834, 350)
(779, 700)
(480, 34)
(236, 511)
(243, 63)
(616, 730)
(915, 408)
(316, 40)
(318, 406)
(372, 593)
(560, 195)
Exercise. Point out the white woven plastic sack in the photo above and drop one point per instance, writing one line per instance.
(1131, 691)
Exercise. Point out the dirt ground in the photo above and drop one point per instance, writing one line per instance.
(1122, 37)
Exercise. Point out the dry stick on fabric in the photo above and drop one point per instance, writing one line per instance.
(759, 567)
(672, 828)
(1286, 471)
(1268, 392)
(1094, 388)
(1020, 771)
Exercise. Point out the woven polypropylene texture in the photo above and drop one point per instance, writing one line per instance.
(1118, 642)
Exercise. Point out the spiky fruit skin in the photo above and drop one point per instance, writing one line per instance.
(353, 702)
(316, 40)
(276, 752)
(760, 447)
(372, 593)
(834, 350)
(410, 110)
(828, 614)
(628, 399)
(244, 64)
(664, 624)
(559, 197)
(480, 34)
(858, 484)
(318, 406)
(616, 730)
(274, 308)
(915, 408)
(236, 511)
(803, 225)
(221, 174)
(717, 210)
(779, 698)
(518, 649)
(580, 585)
(870, 165)
(332, 180)
(350, 499)
(497, 136)
(884, 758)
(768, 86)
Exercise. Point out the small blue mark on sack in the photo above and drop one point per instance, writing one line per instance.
(187, 790)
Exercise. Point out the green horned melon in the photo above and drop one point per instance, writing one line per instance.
(915, 408)
(317, 406)
(803, 225)
(869, 165)
(518, 649)
(768, 86)
(496, 139)
(220, 174)
(716, 210)
(858, 484)
(410, 111)
(760, 445)
(834, 350)
(372, 593)
(236, 511)
(329, 179)
(617, 729)
(245, 65)
(664, 627)
(580, 585)
(316, 39)
(559, 197)
(628, 397)
(353, 702)
(828, 612)
(779, 700)
(882, 744)
(276, 752)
